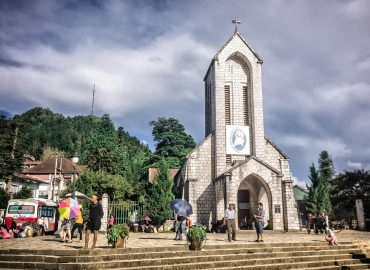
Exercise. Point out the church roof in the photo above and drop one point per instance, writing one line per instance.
(277, 148)
(227, 42)
(247, 160)
(245, 42)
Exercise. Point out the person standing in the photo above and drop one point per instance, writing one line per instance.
(111, 221)
(79, 224)
(94, 223)
(229, 220)
(182, 227)
(259, 218)
(310, 222)
(325, 221)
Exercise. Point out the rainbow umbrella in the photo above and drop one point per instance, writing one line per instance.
(69, 208)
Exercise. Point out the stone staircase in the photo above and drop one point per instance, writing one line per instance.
(230, 256)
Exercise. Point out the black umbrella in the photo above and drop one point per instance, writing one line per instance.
(181, 207)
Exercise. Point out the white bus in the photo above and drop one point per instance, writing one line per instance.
(30, 210)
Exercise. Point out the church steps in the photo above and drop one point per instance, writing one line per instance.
(195, 256)
(163, 254)
(182, 248)
(231, 253)
(235, 256)
(246, 265)
(205, 262)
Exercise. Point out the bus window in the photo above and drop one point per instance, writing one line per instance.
(47, 211)
(21, 209)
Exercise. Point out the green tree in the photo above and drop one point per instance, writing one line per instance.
(319, 190)
(11, 150)
(100, 182)
(23, 193)
(102, 152)
(327, 172)
(159, 195)
(326, 166)
(312, 200)
(172, 142)
(349, 186)
(4, 198)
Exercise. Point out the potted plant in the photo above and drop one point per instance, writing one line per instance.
(197, 237)
(117, 235)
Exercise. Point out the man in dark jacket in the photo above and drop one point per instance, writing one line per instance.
(94, 223)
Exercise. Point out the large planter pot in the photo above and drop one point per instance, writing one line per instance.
(121, 243)
(196, 245)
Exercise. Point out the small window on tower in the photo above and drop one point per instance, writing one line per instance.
(227, 105)
(228, 159)
(245, 107)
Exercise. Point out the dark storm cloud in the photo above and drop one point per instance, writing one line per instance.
(148, 59)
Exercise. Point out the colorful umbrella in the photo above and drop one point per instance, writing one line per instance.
(69, 208)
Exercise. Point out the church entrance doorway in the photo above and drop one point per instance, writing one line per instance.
(243, 209)
(251, 191)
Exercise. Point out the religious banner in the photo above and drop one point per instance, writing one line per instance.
(237, 140)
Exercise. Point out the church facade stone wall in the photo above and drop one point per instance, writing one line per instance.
(211, 178)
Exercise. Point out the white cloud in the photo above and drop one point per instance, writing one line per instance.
(148, 60)
(126, 79)
(354, 165)
(298, 182)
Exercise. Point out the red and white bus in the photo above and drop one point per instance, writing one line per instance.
(30, 210)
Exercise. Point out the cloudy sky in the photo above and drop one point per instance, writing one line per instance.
(148, 58)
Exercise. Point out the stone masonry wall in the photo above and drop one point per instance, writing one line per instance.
(290, 205)
(201, 187)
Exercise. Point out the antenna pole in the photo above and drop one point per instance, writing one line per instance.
(93, 102)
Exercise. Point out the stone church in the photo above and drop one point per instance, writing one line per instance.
(236, 162)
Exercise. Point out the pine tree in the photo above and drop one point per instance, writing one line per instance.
(313, 205)
(326, 166)
(319, 190)
(159, 195)
(327, 172)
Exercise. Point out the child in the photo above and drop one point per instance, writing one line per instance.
(331, 238)
(67, 231)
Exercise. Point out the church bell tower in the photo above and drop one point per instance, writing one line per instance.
(233, 103)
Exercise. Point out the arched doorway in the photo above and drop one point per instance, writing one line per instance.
(252, 190)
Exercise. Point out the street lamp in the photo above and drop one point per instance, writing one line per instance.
(75, 160)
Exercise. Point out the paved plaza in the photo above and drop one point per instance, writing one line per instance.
(138, 240)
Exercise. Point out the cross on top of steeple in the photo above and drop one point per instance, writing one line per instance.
(236, 21)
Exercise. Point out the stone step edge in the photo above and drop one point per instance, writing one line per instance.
(327, 262)
(77, 252)
(164, 266)
(198, 255)
(216, 246)
(331, 252)
(257, 260)
(337, 267)
(264, 250)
